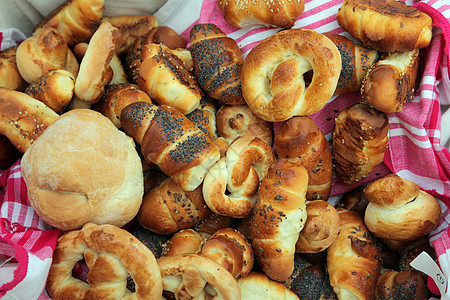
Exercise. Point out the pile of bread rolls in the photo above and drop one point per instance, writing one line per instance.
(121, 125)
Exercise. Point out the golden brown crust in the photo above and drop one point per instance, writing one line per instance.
(401, 285)
(74, 19)
(111, 254)
(391, 82)
(204, 116)
(9, 73)
(185, 241)
(360, 139)
(386, 25)
(259, 286)
(299, 138)
(272, 75)
(22, 118)
(352, 260)
(234, 121)
(213, 223)
(167, 36)
(278, 217)
(217, 63)
(55, 89)
(185, 276)
(321, 227)
(167, 209)
(399, 210)
(261, 12)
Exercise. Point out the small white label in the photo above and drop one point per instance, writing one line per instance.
(423, 262)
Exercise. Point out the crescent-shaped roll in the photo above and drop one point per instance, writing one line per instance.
(9, 73)
(273, 84)
(259, 286)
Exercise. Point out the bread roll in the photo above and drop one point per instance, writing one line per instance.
(399, 210)
(22, 118)
(192, 276)
(167, 36)
(385, 25)
(352, 260)
(95, 72)
(72, 64)
(278, 218)
(164, 77)
(9, 73)
(401, 285)
(321, 227)
(217, 63)
(213, 223)
(273, 85)
(55, 89)
(40, 53)
(356, 61)
(185, 241)
(104, 187)
(354, 200)
(360, 139)
(299, 139)
(391, 82)
(171, 141)
(111, 254)
(231, 185)
(268, 13)
(204, 116)
(259, 286)
(234, 121)
(74, 19)
(167, 209)
(117, 97)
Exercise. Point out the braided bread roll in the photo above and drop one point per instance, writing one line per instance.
(272, 75)
(399, 210)
(299, 139)
(217, 63)
(22, 118)
(74, 19)
(385, 25)
(352, 260)
(55, 89)
(167, 209)
(171, 141)
(9, 73)
(268, 13)
(239, 172)
(164, 77)
(278, 217)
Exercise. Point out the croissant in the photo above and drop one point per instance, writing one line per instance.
(171, 141)
(217, 63)
(204, 116)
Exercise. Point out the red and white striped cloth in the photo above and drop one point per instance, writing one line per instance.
(414, 149)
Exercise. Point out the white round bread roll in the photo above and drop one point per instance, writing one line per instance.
(83, 169)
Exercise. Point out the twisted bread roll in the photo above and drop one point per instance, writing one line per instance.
(299, 139)
(95, 72)
(352, 260)
(272, 75)
(399, 210)
(9, 73)
(116, 98)
(321, 227)
(360, 139)
(356, 61)
(391, 82)
(39, 54)
(387, 26)
(167, 209)
(401, 285)
(268, 13)
(192, 276)
(217, 63)
(204, 116)
(111, 254)
(55, 89)
(22, 118)
(171, 141)
(185, 241)
(259, 286)
(278, 218)
(165, 78)
(234, 121)
(239, 172)
(131, 27)
(74, 19)
(230, 249)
